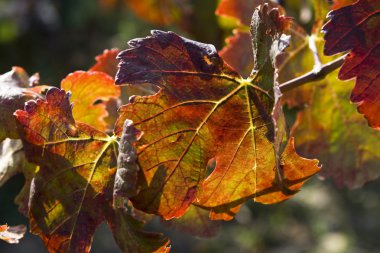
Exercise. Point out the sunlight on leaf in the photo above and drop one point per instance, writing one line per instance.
(208, 112)
(356, 27)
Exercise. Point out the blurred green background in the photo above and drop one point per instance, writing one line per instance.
(55, 38)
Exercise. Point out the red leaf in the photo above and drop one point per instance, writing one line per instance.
(357, 28)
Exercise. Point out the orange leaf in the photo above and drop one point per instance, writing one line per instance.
(107, 62)
(242, 10)
(89, 92)
(205, 110)
(66, 215)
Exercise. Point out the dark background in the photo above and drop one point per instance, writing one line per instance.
(55, 38)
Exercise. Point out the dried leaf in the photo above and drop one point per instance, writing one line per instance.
(13, 161)
(14, 92)
(12, 234)
(12, 158)
(203, 111)
(356, 27)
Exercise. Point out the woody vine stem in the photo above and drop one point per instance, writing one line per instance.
(313, 75)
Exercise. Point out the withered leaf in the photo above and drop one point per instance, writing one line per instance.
(13, 161)
(14, 92)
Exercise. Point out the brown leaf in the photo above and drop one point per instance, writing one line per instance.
(14, 92)
(13, 161)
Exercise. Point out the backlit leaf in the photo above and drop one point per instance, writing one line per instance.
(90, 92)
(12, 234)
(337, 135)
(204, 110)
(106, 62)
(195, 222)
(237, 52)
(356, 27)
(290, 64)
(130, 237)
(341, 3)
(242, 10)
(160, 12)
(72, 191)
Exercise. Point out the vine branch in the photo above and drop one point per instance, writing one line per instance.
(313, 75)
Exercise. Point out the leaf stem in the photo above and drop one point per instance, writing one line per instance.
(313, 75)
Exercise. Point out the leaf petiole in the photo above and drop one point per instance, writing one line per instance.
(313, 75)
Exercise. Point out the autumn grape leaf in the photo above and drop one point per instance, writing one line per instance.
(12, 234)
(107, 62)
(203, 111)
(335, 135)
(195, 222)
(356, 27)
(235, 53)
(128, 234)
(161, 12)
(66, 215)
(242, 10)
(15, 90)
(341, 3)
(90, 92)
